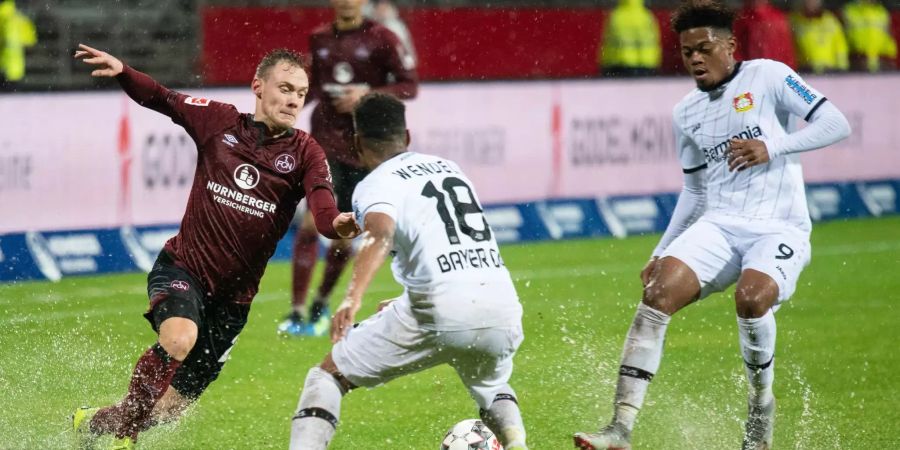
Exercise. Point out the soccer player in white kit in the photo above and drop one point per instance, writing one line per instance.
(459, 305)
(741, 216)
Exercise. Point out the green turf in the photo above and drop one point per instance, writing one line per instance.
(74, 342)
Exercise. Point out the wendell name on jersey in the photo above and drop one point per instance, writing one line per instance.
(424, 169)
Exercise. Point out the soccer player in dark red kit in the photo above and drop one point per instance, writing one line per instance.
(350, 57)
(252, 171)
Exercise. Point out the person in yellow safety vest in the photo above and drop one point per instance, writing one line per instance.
(869, 33)
(819, 39)
(16, 33)
(630, 44)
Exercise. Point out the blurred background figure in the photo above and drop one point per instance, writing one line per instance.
(630, 44)
(872, 47)
(819, 39)
(16, 33)
(763, 31)
(385, 12)
(351, 56)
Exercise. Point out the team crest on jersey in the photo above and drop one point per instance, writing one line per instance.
(343, 72)
(743, 102)
(180, 285)
(196, 101)
(285, 163)
(246, 176)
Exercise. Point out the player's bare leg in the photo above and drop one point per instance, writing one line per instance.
(671, 287)
(304, 258)
(319, 408)
(151, 378)
(754, 297)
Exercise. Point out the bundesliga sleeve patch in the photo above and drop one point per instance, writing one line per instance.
(800, 89)
(197, 101)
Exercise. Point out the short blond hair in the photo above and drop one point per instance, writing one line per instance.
(274, 57)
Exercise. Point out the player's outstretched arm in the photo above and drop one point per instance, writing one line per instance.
(139, 86)
(330, 222)
(378, 238)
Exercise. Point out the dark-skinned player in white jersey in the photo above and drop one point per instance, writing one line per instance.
(741, 217)
(459, 306)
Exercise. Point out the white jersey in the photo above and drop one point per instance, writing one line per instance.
(755, 103)
(445, 253)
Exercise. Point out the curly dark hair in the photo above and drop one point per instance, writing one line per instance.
(380, 117)
(702, 13)
(274, 57)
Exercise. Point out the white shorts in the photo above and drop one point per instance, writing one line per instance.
(390, 344)
(719, 249)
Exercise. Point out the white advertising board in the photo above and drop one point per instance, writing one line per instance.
(89, 160)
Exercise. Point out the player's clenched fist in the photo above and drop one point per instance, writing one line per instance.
(746, 153)
(345, 226)
(106, 65)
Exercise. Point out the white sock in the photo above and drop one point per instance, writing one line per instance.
(757, 337)
(505, 420)
(318, 412)
(640, 360)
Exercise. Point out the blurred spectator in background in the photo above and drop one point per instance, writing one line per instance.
(868, 24)
(385, 12)
(763, 31)
(630, 44)
(350, 57)
(16, 33)
(819, 37)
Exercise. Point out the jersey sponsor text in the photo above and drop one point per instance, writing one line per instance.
(800, 89)
(240, 201)
(720, 151)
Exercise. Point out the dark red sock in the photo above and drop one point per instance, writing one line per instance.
(306, 252)
(150, 379)
(335, 261)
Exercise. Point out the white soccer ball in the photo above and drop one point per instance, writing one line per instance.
(470, 434)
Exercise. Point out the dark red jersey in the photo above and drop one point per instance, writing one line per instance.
(370, 55)
(245, 191)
